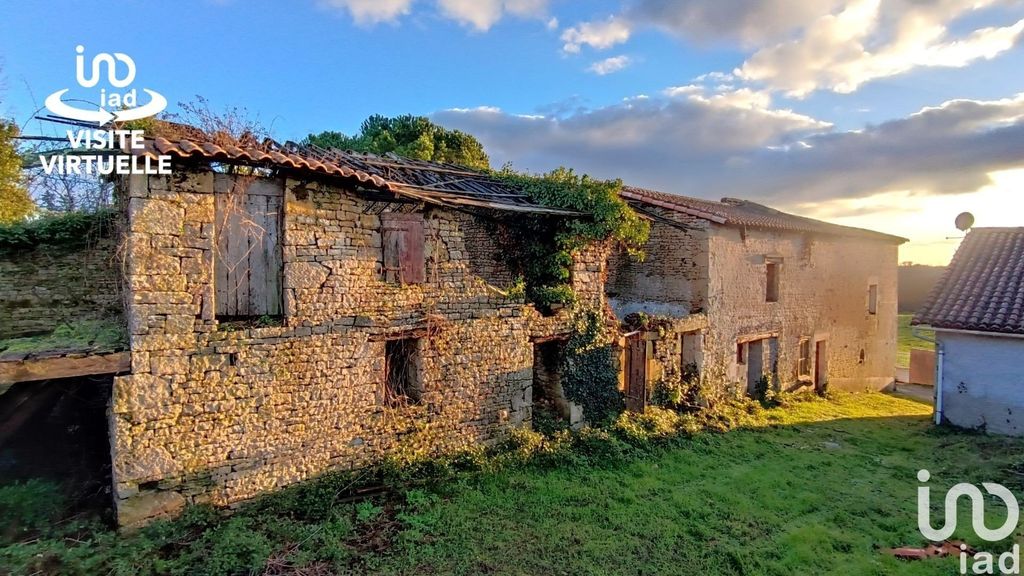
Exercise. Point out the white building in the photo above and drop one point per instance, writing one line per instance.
(977, 311)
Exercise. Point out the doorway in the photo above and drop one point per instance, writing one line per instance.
(548, 395)
(635, 370)
(55, 434)
(820, 365)
(755, 365)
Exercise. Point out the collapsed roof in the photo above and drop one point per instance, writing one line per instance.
(430, 182)
(736, 212)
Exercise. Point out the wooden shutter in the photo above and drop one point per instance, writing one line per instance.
(248, 263)
(403, 240)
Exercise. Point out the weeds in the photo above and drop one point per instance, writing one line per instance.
(359, 522)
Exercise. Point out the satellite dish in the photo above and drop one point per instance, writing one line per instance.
(964, 221)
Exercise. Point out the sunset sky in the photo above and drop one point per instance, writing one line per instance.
(891, 115)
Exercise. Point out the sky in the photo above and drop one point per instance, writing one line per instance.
(894, 115)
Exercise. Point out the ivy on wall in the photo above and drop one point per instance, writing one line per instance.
(546, 244)
(68, 229)
(588, 376)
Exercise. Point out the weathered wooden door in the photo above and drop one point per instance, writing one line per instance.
(820, 364)
(248, 264)
(636, 373)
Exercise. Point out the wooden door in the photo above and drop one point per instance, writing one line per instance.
(636, 373)
(820, 364)
(248, 260)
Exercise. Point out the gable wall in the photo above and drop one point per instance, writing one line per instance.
(672, 280)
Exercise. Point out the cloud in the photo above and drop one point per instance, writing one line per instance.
(478, 14)
(598, 35)
(610, 65)
(749, 22)
(738, 144)
(482, 14)
(870, 39)
(800, 46)
(366, 12)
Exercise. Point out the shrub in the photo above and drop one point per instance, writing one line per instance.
(29, 508)
(69, 229)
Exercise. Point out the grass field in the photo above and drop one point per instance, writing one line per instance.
(907, 341)
(818, 487)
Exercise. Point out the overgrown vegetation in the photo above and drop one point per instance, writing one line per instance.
(66, 230)
(414, 137)
(99, 335)
(680, 392)
(545, 245)
(588, 376)
(818, 486)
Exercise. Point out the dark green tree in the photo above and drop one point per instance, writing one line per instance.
(409, 136)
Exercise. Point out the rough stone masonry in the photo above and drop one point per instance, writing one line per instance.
(218, 412)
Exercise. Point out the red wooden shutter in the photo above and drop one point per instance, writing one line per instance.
(403, 241)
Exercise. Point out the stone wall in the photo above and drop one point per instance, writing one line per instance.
(672, 280)
(712, 278)
(44, 287)
(823, 296)
(218, 414)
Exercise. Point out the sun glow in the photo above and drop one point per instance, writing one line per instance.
(927, 219)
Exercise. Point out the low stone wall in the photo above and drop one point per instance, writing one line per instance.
(43, 287)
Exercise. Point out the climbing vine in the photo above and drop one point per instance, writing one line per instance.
(69, 229)
(546, 245)
(588, 375)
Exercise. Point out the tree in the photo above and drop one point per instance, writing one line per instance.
(15, 202)
(410, 136)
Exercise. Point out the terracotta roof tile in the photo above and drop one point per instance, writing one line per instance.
(983, 288)
(736, 212)
(432, 182)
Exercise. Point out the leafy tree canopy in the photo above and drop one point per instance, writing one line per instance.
(409, 136)
(15, 202)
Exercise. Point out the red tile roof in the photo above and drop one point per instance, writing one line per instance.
(983, 288)
(735, 212)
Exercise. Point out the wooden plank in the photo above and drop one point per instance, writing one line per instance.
(53, 368)
(242, 229)
(256, 259)
(220, 265)
(411, 256)
(390, 239)
(275, 264)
